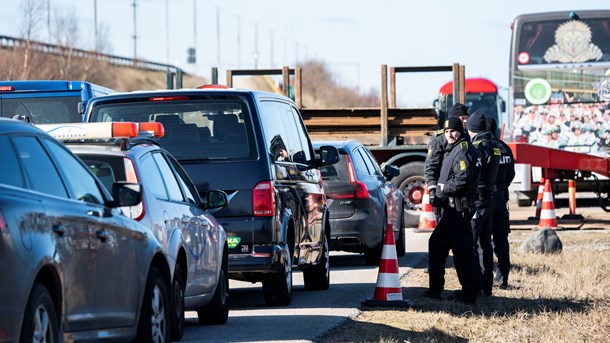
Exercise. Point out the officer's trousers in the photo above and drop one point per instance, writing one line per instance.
(500, 231)
(481, 224)
(453, 233)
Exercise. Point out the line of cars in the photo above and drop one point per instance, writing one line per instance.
(251, 163)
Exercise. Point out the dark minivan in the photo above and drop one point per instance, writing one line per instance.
(254, 146)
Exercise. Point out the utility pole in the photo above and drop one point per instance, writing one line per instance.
(195, 33)
(255, 54)
(49, 21)
(238, 43)
(97, 43)
(167, 31)
(218, 37)
(271, 49)
(135, 36)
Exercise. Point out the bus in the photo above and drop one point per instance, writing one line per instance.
(47, 101)
(559, 85)
(481, 94)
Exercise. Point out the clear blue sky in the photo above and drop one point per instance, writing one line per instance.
(353, 37)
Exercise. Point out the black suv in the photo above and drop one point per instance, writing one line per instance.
(255, 147)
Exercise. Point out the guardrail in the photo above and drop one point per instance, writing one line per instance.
(13, 43)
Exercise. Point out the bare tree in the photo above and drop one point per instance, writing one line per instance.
(32, 12)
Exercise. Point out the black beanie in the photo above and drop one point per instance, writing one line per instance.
(454, 123)
(491, 125)
(459, 110)
(476, 122)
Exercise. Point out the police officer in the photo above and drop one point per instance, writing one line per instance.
(484, 204)
(501, 227)
(437, 149)
(455, 190)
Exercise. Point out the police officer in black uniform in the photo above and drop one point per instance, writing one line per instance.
(500, 216)
(455, 190)
(484, 204)
(437, 149)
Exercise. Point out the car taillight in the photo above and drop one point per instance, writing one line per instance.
(263, 199)
(135, 212)
(360, 190)
(3, 226)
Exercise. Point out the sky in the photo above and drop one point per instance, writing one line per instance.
(353, 38)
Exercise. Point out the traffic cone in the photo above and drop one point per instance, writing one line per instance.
(539, 199)
(427, 218)
(388, 292)
(547, 213)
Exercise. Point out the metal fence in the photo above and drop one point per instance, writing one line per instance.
(18, 43)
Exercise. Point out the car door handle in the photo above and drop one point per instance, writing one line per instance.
(59, 229)
(94, 213)
(102, 235)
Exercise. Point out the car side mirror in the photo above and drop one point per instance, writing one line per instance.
(390, 171)
(126, 194)
(328, 155)
(215, 200)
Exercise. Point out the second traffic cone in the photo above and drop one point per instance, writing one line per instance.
(427, 218)
(388, 292)
(539, 199)
(548, 220)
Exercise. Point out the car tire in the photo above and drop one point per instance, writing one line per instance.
(372, 256)
(216, 312)
(177, 304)
(410, 181)
(154, 323)
(40, 318)
(318, 277)
(277, 287)
(400, 242)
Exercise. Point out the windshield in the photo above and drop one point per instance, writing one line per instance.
(45, 110)
(561, 68)
(194, 129)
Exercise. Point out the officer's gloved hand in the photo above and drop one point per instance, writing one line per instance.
(437, 200)
(432, 193)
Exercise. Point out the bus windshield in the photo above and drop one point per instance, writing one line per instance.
(560, 80)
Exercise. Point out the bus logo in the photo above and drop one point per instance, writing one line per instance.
(538, 91)
(524, 58)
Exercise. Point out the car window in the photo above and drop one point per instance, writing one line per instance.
(181, 176)
(151, 177)
(302, 134)
(372, 162)
(79, 179)
(35, 159)
(170, 179)
(10, 173)
(275, 130)
(359, 163)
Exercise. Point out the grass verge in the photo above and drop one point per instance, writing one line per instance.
(553, 298)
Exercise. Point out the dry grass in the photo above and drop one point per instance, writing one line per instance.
(553, 298)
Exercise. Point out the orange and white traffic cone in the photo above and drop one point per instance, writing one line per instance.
(388, 292)
(547, 213)
(427, 218)
(539, 199)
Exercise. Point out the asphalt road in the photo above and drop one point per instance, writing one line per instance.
(314, 313)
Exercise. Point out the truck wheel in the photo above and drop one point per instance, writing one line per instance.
(277, 287)
(411, 182)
